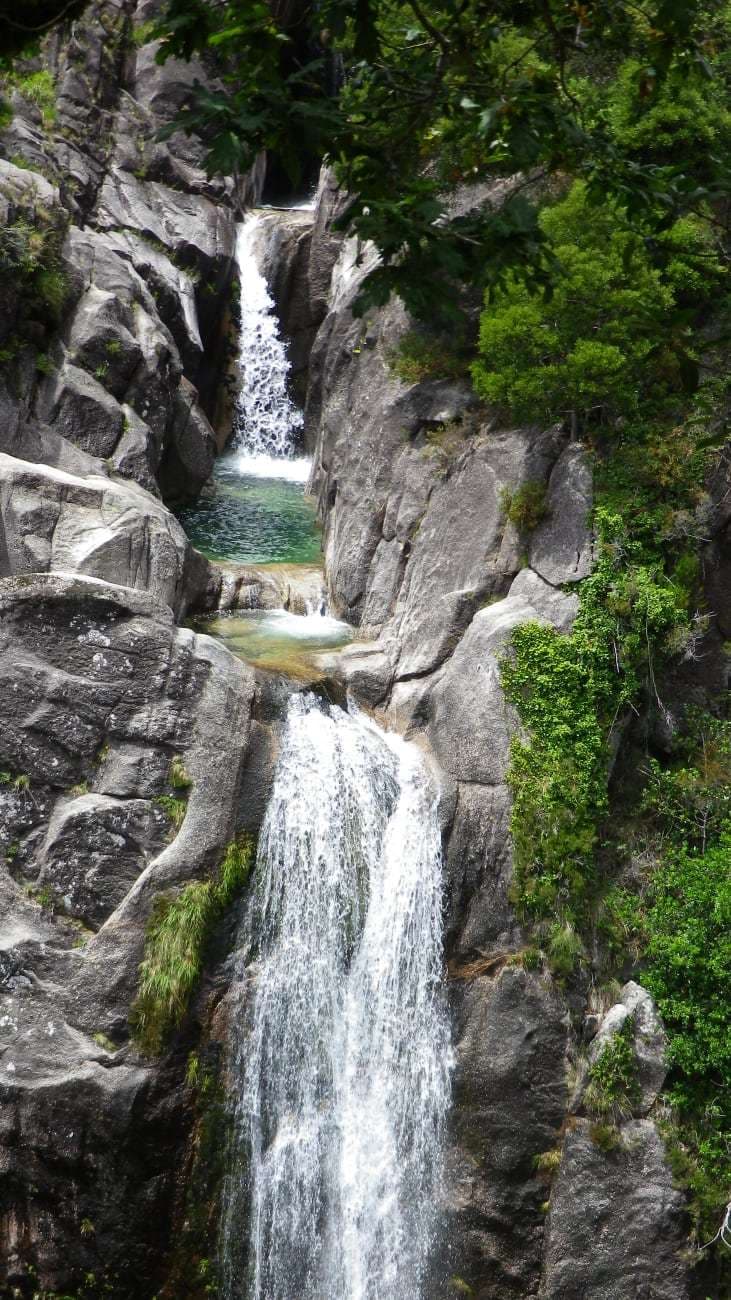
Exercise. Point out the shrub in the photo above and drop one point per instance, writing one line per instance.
(417, 357)
(143, 33)
(549, 1162)
(568, 691)
(615, 331)
(526, 507)
(692, 799)
(177, 776)
(39, 88)
(31, 272)
(44, 364)
(684, 114)
(174, 809)
(612, 1088)
(604, 1136)
(175, 945)
(688, 921)
(564, 948)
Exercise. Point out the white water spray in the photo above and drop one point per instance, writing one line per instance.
(266, 417)
(342, 1055)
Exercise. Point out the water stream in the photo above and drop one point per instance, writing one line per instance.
(255, 511)
(340, 1054)
(341, 1051)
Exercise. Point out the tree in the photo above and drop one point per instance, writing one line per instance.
(409, 99)
(20, 24)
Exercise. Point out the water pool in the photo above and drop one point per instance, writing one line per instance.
(279, 641)
(255, 512)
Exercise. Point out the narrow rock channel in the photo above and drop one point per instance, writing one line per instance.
(274, 1022)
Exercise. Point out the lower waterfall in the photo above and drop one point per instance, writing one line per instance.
(341, 1058)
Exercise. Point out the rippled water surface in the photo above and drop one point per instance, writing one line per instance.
(254, 519)
(278, 640)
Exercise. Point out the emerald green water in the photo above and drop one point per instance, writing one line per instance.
(251, 518)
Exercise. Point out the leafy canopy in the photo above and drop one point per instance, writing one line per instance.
(618, 329)
(410, 98)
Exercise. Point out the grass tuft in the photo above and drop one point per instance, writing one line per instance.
(177, 936)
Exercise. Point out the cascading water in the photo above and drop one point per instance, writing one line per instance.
(257, 512)
(342, 1054)
(266, 418)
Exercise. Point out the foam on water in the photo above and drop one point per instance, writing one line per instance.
(341, 1046)
(266, 417)
(295, 469)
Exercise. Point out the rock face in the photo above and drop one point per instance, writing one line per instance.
(413, 482)
(115, 354)
(102, 691)
(52, 520)
(615, 1220)
(142, 255)
(112, 355)
(510, 1098)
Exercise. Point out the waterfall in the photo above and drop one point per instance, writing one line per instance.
(341, 1057)
(266, 417)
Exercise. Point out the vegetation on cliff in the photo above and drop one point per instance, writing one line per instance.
(601, 133)
(410, 99)
(175, 948)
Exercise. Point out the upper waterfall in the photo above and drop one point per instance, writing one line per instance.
(341, 1052)
(266, 418)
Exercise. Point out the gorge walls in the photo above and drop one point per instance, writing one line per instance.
(134, 751)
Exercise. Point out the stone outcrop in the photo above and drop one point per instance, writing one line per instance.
(615, 1220)
(107, 399)
(112, 352)
(53, 521)
(414, 482)
(101, 692)
(131, 376)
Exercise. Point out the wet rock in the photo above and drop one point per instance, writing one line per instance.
(509, 1098)
(191, 450)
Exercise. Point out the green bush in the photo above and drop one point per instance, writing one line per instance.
(526, 507)
(569, 691)
(38, 88)
(143, 33)
(32, 272)
(692, 798)
(688, 971)
(614, 333)
(418, 357)
(173, 808)
(689, 968)
(605, 1137)
(178, 776)
(613, 1088)
(175, 946)
(564, 948)
(685, 114)
(678, 928)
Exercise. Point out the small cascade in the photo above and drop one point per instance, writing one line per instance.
(266, 418)
(341, 1055)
